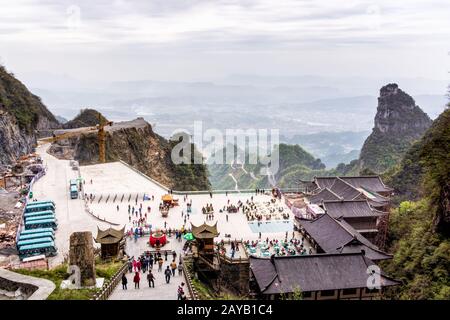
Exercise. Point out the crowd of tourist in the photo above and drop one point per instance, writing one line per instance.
(277, 247)
(144, 264)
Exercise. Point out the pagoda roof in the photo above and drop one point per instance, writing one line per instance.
(205, 231)
(109, 236)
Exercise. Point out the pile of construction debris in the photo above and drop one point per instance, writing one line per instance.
(11, 208)
(14, 186)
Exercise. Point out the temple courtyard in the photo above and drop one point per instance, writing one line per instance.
(112, 188)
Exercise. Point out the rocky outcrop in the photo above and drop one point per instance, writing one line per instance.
(81, 255)
(22, 114)
(398, 123)
(13, 141)
(86, 118)
(135, 143)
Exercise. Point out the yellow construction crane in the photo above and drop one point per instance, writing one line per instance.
(102, 138)
(99, 128)
(66, 135)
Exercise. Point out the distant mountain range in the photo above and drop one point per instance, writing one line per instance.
(314, 111)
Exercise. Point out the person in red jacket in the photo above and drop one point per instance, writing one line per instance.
(136, 280)
(138, 265)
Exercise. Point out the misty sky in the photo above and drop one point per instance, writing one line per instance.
(106, 40)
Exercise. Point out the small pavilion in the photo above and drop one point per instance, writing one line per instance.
(110, 241)
(205, 234)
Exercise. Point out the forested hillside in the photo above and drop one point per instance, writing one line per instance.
(419, 230)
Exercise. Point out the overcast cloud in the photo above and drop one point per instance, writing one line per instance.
(209, 39)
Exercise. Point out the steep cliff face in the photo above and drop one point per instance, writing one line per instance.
(135, 143)
(398, 123)
(21, 114)
(13, 142)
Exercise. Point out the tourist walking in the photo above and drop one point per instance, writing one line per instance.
(150, 279)
(138, 265)
(124, 282)
(150, 262)
(136, 280)
(144, 265)
(130, 266)
(181, 292)
(173, 266)
(165, 255)
(180, 269)
(160, 263)
(167, 273)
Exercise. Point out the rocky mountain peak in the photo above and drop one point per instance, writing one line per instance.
(398, 113)
(391, 88)
(398, 123)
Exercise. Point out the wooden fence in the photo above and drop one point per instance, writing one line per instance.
(109, 286)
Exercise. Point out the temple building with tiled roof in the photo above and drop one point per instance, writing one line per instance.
(330, 235)
(317, 277)
(358, 214)
(370, 188)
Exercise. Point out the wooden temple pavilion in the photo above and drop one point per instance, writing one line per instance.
(110, 241)
(205, 234)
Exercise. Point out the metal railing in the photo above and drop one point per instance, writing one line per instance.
(192, 291)
(91, 213)
(108, 287)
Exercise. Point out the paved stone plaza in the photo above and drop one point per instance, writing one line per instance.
(119, 181)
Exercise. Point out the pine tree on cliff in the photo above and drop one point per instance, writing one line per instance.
(399, 122)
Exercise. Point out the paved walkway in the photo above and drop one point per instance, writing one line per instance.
(12, 279)
(162, 290)
(70, 213)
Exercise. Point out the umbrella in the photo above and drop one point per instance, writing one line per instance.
(189, 236)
